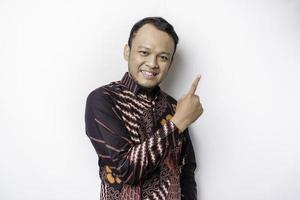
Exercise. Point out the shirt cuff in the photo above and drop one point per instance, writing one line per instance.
(175, 137)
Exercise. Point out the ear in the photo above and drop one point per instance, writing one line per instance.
(126, 52)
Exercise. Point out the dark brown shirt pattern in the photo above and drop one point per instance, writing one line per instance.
(141, 153)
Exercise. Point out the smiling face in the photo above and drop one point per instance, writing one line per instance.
(150, 56)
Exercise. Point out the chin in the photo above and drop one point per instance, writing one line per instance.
(148, 85)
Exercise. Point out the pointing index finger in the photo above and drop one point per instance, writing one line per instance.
(194, 85)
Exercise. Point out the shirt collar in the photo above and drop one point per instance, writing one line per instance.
(134, 87)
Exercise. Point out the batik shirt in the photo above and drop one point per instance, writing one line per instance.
(141, 154)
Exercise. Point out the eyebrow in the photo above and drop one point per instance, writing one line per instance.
(150, 49)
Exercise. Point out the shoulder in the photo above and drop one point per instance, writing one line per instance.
(103, 94)
(170, 99)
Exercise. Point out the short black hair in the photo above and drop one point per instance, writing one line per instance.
(160, 23)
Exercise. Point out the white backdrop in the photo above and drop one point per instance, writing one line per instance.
(53, 53)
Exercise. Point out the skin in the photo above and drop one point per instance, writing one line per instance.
(151, 51)
(188, 108)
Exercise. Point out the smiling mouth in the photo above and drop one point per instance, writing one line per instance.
(148, 75)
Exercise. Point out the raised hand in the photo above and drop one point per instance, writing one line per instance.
(194, 85)
(188, 108)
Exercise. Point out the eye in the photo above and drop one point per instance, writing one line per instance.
(143, 53)
(164, 58)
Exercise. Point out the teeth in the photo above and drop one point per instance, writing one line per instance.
(148, 73)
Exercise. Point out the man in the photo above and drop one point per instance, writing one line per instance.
(138, 131)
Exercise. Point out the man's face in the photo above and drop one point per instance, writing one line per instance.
(150, 56)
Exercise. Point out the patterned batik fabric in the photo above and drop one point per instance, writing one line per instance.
(141, 153)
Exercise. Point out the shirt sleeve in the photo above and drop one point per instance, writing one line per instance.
(187, 177)
(129, 161)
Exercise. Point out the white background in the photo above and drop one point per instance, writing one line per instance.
(53, 53)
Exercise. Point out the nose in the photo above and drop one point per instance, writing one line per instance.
(151, 62)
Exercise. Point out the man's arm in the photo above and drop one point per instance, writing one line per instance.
(129, 161)
(187, 177)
